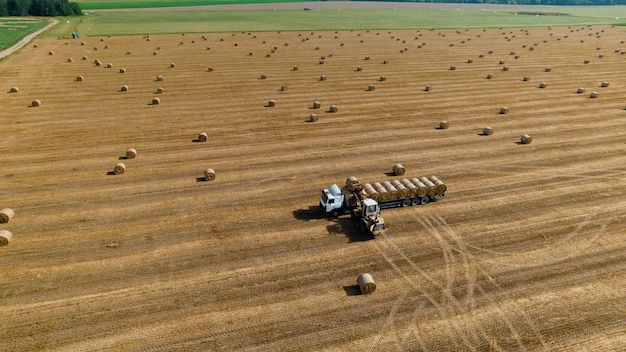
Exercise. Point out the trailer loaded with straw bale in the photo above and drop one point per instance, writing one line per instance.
(365, 200)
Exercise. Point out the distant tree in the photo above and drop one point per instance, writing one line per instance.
(18, 7)
(51, 8)
(3, 8)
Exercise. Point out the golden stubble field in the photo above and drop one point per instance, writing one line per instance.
(526, 252)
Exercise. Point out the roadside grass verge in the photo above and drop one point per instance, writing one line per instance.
(140, 23)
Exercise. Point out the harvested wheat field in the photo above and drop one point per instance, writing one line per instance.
(526, 252)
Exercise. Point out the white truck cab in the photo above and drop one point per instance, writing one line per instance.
(331, 201)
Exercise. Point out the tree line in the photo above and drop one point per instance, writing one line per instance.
(46, 8)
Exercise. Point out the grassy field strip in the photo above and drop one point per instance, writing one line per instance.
(137, 23)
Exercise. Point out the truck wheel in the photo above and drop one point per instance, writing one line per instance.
(406, 202)
(424, 200)
(334, 213)
(415, 201)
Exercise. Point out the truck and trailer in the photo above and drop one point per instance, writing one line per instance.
(364, 201)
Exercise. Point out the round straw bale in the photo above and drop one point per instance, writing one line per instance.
(505, 68)
(383, 194)
(543, 85)
(263, 76)
(80, 78)
(410, 187)
(5, 237)
(172, 65)
(593, 95)
(469, 61)
(294, 69)
(580, 90)
(70, 60)
(489, 76)
(487, 131)
(50, 52)
(14, 90)
(97, 62)
(547, 69)
(526, 139)
(210, 69)
(313, 118)
(109, 65)
(382, 78)
(316, 105)
(283, 88)
(358, 69)
(504, 110)
(332, 108)
(155, 52)
(452, 67)
(428, 88)
(370, 192)
(443, 125)
(35, 103)
(131, 153)
(128, 52)
(353, 183)
(159, 90)
(391, 189)
(271, 103)
(604, 84)
(156, 101)
(441, 187)
(322, 77)
(422, 190)
(5, 215)
(430, 186)
(35, 45)
(119, 168)
(122, 70)
(159, 78)
(203, 137)
(403, 192)
(366, 283)
(526, 78)
(124, 88)
(371, 87)
(398, 170)
(209, 174)
(586, 61)
(85, 58)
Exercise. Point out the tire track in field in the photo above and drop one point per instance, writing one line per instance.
(450, 330)
(472, 285)
(449, 259)
(557, 246)
(446, 308)
(520, 188)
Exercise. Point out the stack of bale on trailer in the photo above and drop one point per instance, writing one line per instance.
(405, 188)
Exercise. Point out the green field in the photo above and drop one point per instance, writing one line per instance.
(100, 23)
(134, 4)
(137, 23)
(14, 29)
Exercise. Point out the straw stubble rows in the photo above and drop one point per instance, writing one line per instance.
(525, 252)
